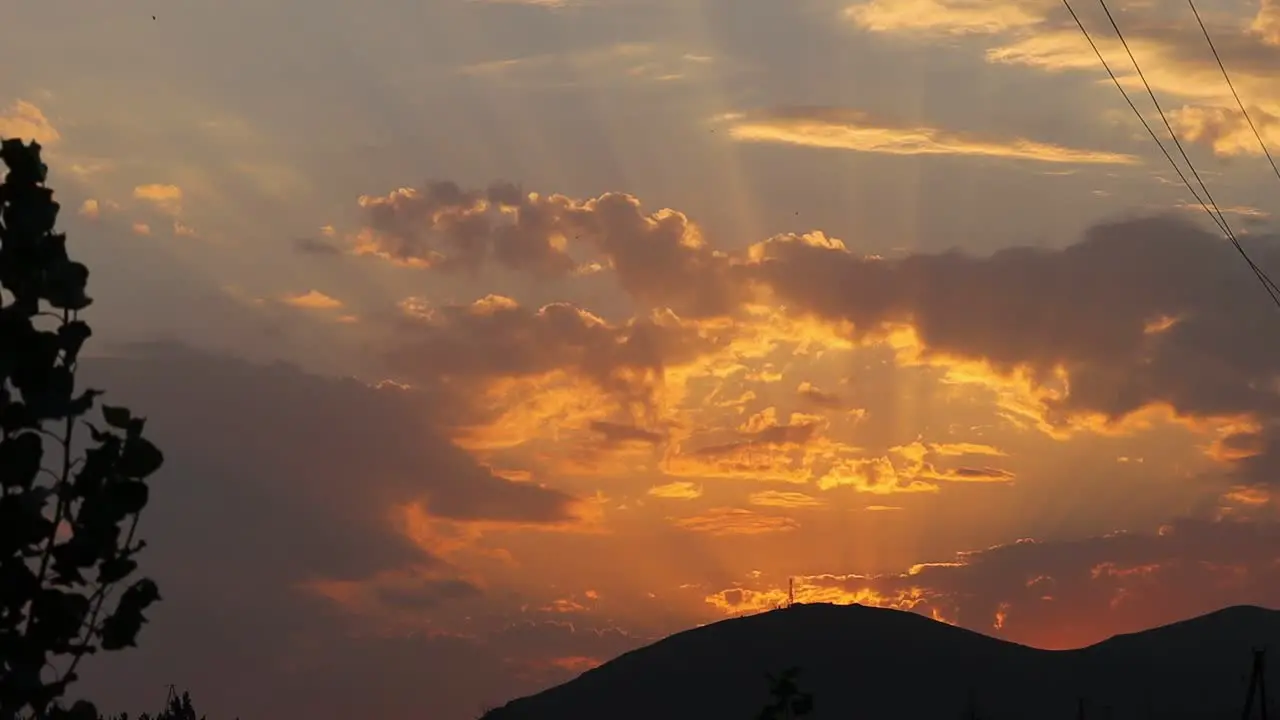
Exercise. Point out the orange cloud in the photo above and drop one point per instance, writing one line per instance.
(659, 258)
(90, 209)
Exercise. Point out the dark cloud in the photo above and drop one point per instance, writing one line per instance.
(275, 480)
(496, 338)
(1140, 312)
(616, 434)
(768, 437)
(316, 246)
(322, 447)
(427, 594)
(659, 258)
(819, 397)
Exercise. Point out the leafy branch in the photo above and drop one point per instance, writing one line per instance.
(67, 531)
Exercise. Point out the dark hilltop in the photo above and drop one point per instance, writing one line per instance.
(866, 662)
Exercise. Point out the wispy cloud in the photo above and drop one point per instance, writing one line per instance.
(635, 61)
(534, 3)
(946, 16)
(845, 129)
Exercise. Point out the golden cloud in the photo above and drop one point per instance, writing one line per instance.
(662, 392)
(1266, 24)
(24, 121)
(167, 198)
(1037, 34)
(784, 499)
(678, 490)
(312, 300)
(1226, 129)
(955, 17)
(724, 521)
(1054, 594)
(843, 129)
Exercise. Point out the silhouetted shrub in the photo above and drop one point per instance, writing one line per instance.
(179, 708)
(66, 523)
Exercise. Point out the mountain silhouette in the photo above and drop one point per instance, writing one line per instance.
(871, 663)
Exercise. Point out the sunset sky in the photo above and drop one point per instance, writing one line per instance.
(487, 340)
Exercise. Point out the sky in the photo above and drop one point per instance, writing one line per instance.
(489, 340)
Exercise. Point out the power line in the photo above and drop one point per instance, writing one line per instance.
(1215, 213)
(1160, 110)
(1232, 85)
(1262, 276)
(1141, 118)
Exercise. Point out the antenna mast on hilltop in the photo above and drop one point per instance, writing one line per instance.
(791, 591)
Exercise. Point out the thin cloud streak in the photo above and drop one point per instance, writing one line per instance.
(841, 129)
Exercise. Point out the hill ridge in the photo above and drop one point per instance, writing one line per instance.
(870, 662)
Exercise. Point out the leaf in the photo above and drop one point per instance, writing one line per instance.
(117, 417)
(128, 497)
(58, 615)
(19, 582)
(82, 403)
(65, 287)
(73, 336)
(140, 458)
(120, 630)
(136, 426)
(116, 569)
(20, 457)
(22, 520)
(16, 415)
(99, 436)
(82, 710)
(42, 618)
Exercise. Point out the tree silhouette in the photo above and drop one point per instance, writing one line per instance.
(178, 707)
(67, 523)
(787, 700)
